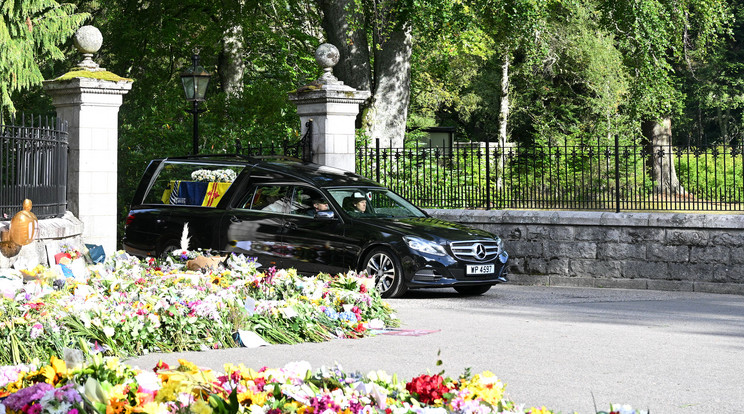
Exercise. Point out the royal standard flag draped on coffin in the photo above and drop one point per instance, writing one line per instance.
(214, 194)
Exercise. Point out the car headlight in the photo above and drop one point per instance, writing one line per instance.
(424, 246)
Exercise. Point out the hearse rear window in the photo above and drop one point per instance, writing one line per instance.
(191, 184)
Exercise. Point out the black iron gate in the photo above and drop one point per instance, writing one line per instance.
(33, 165)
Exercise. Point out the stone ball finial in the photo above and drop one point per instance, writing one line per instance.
(88, 39)
(327, 56)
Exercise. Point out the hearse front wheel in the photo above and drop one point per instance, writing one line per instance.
(385, 267)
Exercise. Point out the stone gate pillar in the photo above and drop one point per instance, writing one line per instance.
(88, 98)
(333, 107)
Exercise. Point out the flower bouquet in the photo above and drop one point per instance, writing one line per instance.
(128, 307)
(214, 176)
(105, 386)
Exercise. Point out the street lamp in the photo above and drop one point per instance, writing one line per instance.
(195, 81)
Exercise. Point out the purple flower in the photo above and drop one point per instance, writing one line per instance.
(323, 403)
(27, 396)
(67, 393)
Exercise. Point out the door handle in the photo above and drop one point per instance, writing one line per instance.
(234, 219)
(290, 225)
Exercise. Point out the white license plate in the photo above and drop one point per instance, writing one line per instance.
(479, 269)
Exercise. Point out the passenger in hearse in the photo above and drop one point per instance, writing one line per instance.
(356, 204)
(319, 204)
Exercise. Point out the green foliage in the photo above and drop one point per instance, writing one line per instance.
(279, 56)
(658, 39)
(713, 175)
(31, 31)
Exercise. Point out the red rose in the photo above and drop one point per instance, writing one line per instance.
(160, 365)
(427, 388)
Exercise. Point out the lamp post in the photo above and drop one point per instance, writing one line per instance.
(195, 81)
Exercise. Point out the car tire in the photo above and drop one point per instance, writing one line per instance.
(472, 290)
(385, 267)
(168, 247)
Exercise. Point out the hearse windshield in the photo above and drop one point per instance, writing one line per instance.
(373, 202)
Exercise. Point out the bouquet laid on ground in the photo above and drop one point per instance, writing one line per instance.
(105, 386)
(126, 307)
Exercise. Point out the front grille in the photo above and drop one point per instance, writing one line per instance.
(476, 250)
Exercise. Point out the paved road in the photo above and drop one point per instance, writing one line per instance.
(670, 352)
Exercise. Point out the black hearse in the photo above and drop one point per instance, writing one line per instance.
(309, 217)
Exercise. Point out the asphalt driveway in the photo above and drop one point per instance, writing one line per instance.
(670, 352)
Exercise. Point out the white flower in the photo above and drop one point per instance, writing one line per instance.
(297, 369)
(380, 376)
(376, 324)
(109, 331)
(622, 408)
(289, 312)
(375, 391)
(36, 330)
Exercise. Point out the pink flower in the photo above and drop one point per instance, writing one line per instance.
(36, 330)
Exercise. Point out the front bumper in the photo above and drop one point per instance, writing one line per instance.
(430, 272)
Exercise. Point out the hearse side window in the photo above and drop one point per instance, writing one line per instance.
(304, 200)
(272, 198)
(191, 184)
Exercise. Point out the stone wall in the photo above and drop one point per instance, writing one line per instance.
(660, 251)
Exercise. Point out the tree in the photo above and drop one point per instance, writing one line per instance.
(385, 65)
(660, 39)
(714, 91)
(31, 31)
(255, 50)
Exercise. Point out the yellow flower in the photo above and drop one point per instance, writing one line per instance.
(541, 410)
(187, 366)
(249, 397)
(155, 408)
(486, 386)
(48, 373)
(200, 407)
(170, 391)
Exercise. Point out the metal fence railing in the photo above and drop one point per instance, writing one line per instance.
(599, 177)
(33, 165)
(299, 149)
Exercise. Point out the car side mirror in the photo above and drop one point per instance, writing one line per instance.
(325, 214)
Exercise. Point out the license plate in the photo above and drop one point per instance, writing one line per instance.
(479, 269)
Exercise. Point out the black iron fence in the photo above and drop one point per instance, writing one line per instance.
(599, 177)
(33, 165)
(300, 149)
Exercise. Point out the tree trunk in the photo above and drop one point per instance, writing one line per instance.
(231, 64)
(386, 116)
(503, 119)
(354, 66)
(660, 162)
